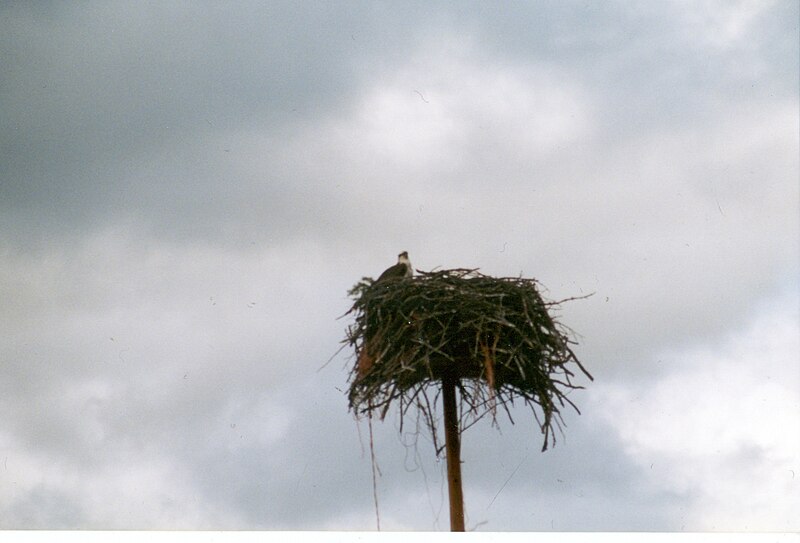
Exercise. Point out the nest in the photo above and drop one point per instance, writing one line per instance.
(494, 337)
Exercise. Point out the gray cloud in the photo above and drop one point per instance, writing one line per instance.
(186, 194)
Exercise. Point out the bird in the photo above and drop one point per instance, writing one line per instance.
(401, 269)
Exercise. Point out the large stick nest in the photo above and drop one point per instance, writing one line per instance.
(494, 336)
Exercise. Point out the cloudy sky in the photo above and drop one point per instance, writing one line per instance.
(188, 190)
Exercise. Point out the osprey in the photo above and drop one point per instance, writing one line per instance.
(401, 269)
(366, 358)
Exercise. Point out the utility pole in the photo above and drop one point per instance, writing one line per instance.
(452, 442)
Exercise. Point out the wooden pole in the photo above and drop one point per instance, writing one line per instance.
(452, 443)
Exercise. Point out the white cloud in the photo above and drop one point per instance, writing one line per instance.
(722, 24)
(128, 489)
(722, 426)
(448, 103)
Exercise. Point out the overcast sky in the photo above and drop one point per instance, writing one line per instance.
(188, 190)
